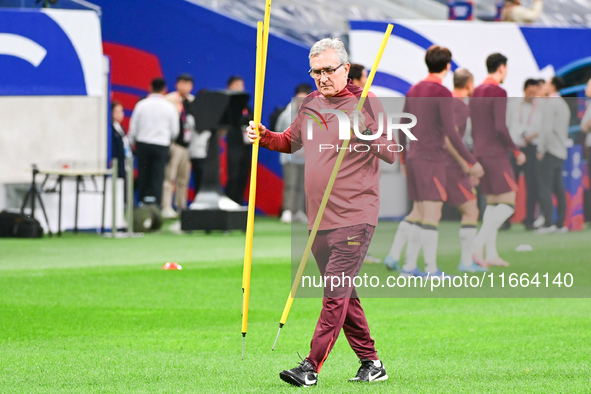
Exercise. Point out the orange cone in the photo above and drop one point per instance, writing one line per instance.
(172, 266)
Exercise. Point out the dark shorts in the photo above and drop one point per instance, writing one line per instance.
(498, 175)
(425, 180)
(458, 186)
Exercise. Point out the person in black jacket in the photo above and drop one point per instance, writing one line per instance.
(239, 153)
(120, 147)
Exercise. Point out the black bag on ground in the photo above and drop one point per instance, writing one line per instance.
(17, 225)
(147, 218)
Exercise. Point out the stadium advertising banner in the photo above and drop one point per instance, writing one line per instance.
(53, 67)
(53, 106)
(50, 53)
(572, 174)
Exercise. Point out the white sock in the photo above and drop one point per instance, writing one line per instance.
(467, 235)
(377, 363)
(491, 246)
(429, 239)
(485, 230)
(501, 213)
(413, 248)
(400, 239)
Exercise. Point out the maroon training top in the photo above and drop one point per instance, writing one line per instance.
(355, 195)
(461, 114)
(432, 104)
(488, 111)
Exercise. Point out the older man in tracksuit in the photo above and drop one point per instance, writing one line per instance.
(351, 214)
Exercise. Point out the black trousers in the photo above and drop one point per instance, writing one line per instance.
(239, 158)
(151, 162)
(550, 181)
(530, 171)
(198, 166)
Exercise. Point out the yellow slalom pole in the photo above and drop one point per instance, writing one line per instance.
(261, 65)
(328, 190)
(266, 28)
(260, 74)
(258, 101)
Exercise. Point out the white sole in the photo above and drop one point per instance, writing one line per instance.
(381, 379)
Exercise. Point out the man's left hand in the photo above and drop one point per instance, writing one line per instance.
(361, 121)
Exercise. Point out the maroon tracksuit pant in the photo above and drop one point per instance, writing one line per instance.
(341, 252)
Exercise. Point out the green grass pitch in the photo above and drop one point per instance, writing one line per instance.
(83, 313)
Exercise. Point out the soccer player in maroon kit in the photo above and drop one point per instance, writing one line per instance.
(432, 104)
(351, 214)
(459, 185)
(492, 142)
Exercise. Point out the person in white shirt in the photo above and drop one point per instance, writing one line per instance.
(154, 125)
(294, 199)
(198, 152)
(524, 120)
(552, 153)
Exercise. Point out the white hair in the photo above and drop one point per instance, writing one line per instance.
(330, 43)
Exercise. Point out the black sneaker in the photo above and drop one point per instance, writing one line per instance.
(301, 376)
(369, 372)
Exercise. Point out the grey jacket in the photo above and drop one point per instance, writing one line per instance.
(554, 132)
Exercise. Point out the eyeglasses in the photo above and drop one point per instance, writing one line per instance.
(316, 74)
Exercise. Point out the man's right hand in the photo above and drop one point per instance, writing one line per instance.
(252, 133)
(476, 170)
(520, 159)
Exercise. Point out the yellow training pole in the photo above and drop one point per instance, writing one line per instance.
(266, 28)
(260, 73)
(258, 102)
(329, 186)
